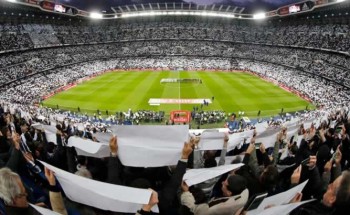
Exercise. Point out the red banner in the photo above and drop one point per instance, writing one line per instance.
(48, 5)
(180, 116)
(283, 11)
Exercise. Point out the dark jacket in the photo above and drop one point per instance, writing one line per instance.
(313, 208)
(166, 196)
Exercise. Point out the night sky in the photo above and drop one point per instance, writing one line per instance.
(250, 5)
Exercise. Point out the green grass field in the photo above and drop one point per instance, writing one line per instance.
(233, 92)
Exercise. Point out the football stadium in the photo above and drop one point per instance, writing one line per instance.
(175, 107)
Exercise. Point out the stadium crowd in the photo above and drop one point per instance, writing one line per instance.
(326, 36)
(172, 55)
(320, 91)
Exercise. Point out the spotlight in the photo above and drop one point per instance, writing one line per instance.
(259, 16)
(94, 15)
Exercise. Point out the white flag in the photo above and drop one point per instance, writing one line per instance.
(101, 195)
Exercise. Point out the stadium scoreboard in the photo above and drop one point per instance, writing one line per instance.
(52, 6)
(301, 7)
(296, 8)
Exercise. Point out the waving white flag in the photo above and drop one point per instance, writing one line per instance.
(101, 195)
(150, 146)
(196, 176)
(89, 148)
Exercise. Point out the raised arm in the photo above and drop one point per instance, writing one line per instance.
(250, 158)
(198, 161)
(114, 164)
(56, 199)
(15, 158)
(266, 159)
(168, 194)
(223, 152)
(146, 209)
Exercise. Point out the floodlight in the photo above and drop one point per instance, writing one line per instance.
(259, 16)
(175, 12)
(94, 15)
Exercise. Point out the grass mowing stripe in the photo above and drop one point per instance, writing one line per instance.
(151, 92)
(277, 96)
(207, 91)
(188, 90)
(132, 90)
(226, 92)
(170, 91)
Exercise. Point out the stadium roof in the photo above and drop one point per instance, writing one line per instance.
(246, 6)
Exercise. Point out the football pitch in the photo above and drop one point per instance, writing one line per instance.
(232, 92)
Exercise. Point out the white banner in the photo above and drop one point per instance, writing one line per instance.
(101, 195)
(151, 146)
(44, 211)
(211, 140)
(261, 127)
(279, 210)
(229, 159)
(282, 198)
(200, 131)
(103, 137)
(89, 148)
(196, 176)
(178, 101)
(51, 137)
(37, 126)
(50, 128)
(238, 138)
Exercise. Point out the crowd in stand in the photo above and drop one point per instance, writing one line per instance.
(203, 117)
(327, 36)
(34, 88)
(320, 91)
(175, 54)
